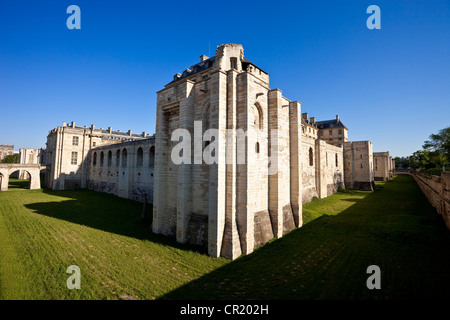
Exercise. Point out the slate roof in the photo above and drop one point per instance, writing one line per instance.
(327, 124)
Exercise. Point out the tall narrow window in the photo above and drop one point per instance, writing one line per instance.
(140, 157)
(109, 158)
(311, 157)
(336, 160)
(151, 162)
(124, 158)
(75, 141)
(94, 159)
(74, 158)
(233, 63)
(102, 158)
(257, 147)
(118, 158)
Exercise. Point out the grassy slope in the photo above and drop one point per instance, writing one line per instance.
(42, 233)
(393, 227)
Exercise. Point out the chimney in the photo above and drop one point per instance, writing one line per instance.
(144, 134)
(129, 132)
(110, 130)
(92, 126)
(203, 57)
(64, 124)
(305, 115)
(313, 120)
(337, 118)
(73, 124)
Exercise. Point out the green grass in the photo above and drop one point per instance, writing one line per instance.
(18, 184)
(43, 232)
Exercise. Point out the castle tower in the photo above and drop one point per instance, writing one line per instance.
(252, 191)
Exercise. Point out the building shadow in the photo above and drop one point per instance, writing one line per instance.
(105, 212)
(328, 257)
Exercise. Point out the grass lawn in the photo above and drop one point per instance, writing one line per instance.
(42, 232)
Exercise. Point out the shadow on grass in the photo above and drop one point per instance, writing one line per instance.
(105, 212)
(18, 184)
(328, 257)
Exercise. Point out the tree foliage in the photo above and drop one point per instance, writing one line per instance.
(12, 158)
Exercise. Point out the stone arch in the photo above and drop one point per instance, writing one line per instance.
(258, 116)
(33, 171)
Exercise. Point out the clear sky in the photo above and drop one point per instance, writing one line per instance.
(390, 86)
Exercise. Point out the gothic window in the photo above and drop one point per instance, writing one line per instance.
(152, 157)
(124, 157)
(94, 159)
(117, 158)
(140, 157)
(109, 158)
(258, 116)
(102, 157)
(311, 157)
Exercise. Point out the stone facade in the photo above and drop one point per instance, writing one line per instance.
(322, 163)
(68, 147)
(6, 150)
(437, 191)
(30, 156)
(358, 165)
(382, 166)
(125, 170)
(237, 206)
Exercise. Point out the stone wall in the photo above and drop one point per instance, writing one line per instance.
(437, 191)
(358, 165)
(382, 166)
(124, 169)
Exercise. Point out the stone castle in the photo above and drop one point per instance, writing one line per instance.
(229, 206)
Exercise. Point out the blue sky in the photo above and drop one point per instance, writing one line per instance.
(390, 86)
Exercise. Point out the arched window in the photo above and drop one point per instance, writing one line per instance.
(109, 158)
(336, 160)
(124, 157)
(326, 158)
(94, 159)
(151, 162)
(258, 116)
(257, 147)
(102, 157)
(311, 157)
(118, 158)
(140, 157)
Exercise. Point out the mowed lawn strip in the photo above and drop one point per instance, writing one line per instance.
(393, 227)
(43, 232)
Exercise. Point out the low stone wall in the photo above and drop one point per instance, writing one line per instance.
(437, 191)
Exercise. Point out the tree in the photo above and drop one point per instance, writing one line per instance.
(439, 144)
(11, 158)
